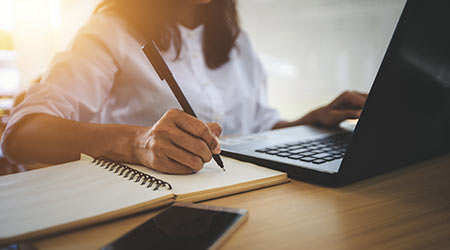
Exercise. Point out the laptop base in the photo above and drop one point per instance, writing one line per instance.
(295, 172)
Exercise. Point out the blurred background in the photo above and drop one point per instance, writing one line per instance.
(315, 49)
(312, 50)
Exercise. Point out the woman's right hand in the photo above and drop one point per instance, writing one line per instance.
(178, 143)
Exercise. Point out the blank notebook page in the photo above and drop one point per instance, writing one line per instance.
(211, 176)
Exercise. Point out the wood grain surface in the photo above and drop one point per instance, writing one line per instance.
(405, 209)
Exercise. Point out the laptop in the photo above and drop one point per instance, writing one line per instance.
(406, 118)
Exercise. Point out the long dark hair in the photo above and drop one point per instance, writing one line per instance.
(156, 19)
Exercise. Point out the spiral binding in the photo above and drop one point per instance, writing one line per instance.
(122, 169)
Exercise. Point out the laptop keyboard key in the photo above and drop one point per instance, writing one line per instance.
(328, 158)
(319, 161)
(307, 159)
(307, 153)
(322, 155)
(283, 154)
(300, 150)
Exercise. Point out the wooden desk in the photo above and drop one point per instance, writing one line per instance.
(406, 209)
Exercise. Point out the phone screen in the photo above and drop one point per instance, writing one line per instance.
(178, 228)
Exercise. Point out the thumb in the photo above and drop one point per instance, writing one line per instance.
(215, 128)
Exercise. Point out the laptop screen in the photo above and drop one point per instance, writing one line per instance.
(406, 118)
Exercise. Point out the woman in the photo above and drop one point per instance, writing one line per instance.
(102, 97)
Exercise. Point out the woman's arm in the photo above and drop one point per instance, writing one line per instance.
(177, 143)
(346, 106)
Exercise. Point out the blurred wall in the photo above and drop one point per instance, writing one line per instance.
(42, 28)
(315, 49)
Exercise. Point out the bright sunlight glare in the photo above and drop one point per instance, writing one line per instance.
(7, 15)
(39, 12)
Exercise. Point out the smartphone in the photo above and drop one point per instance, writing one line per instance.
(184, 226)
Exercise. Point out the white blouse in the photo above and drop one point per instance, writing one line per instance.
(104, 77)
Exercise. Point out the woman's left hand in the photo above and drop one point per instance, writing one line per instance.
(346, 106)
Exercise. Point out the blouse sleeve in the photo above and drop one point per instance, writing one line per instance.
(78, 80)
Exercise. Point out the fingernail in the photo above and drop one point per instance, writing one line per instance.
(217, 149)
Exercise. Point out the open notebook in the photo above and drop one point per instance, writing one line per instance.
(84, 192)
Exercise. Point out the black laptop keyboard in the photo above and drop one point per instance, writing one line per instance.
(316, 151)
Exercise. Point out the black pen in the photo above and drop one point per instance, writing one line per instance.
(160, 66)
